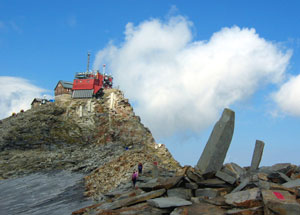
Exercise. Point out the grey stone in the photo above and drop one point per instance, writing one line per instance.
(243, 184)
(215, 151)
(180, 193)
(225, 177)
(213, 182)
(292, 183)
(248, 211)
(207, 192)
(280, 167)
(191, 185)
(278, 177)
(248, 198)
(193, 175)
(257, 154)
(132, 200)
(234, 170)
(166, 202)
(280, 202)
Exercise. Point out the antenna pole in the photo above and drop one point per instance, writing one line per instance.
(88, 62)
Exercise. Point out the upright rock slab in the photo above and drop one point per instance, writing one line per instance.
(257, 154)
(215, 151)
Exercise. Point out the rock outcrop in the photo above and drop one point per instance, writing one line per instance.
(80, 135)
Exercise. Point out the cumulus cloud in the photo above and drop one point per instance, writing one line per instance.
(178, 83)
(288, 96)
(16, 94)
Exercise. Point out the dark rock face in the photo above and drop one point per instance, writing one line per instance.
(43, 193)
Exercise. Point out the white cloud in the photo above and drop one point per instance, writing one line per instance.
(16, 94)
(288, 96)
(178, 83)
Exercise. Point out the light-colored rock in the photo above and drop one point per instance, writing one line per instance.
(207, 192)
(132, 200)
(247, 211)
(166, 202)
(199, 208)
(248, 198)
(215, 151)
(180, 193)
(257, 154)
(280, 202)
(292, 183)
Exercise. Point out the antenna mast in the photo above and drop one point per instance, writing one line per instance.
(88, 62)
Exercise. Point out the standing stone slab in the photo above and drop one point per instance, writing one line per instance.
(215, 151)
(257, 154)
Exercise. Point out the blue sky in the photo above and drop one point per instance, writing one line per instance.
(179, 62)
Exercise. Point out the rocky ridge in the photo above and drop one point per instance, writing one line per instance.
(77, 135)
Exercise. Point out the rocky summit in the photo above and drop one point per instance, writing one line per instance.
(77, 156)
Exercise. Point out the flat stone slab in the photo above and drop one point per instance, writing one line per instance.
(292, 183)
(166, 202)
(247, 211)
(199, 208)
(180, 193)
(159, 183)
(131, 200)
(226, 177)
(281, 202)
(213, 182)
(207, 192)
(248, 198)
(216, 148)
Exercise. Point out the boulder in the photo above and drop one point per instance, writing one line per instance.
(180, 192)
(167, 202)
(280, 202)
(131, 200)
(248, 198)
(214, 182)
(226, 177)
(292, 183)
(207, 192)
(193, 175)
(257, 154)
(199, 208)
(234, 169)
(139, 209)
(278, 177)
(215, 151)
(159, 183)
(247, 211)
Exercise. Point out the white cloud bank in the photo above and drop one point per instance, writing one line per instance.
(288, 96)
(16, 94)
(178, 83)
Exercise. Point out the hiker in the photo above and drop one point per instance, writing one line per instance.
(140, 168)
(134, 178)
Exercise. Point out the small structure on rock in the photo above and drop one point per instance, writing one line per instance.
(63, 87)
(38, 101)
